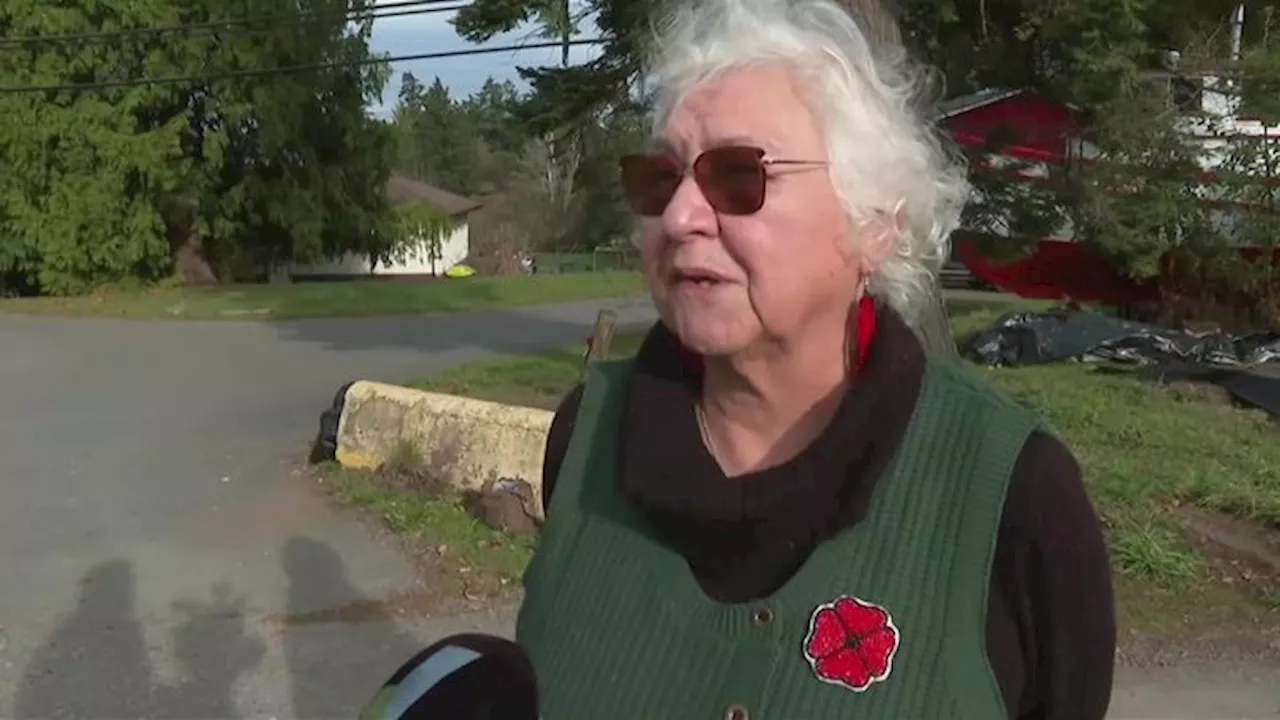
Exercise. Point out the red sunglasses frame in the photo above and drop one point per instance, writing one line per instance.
(632, 167)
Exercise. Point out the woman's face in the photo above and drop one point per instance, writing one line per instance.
(776, 271)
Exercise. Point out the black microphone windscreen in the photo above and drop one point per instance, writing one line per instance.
(462, 677)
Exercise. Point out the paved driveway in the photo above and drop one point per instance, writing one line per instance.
(157, 558)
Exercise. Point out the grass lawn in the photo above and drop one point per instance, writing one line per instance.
(334, 299)
(1149, 457)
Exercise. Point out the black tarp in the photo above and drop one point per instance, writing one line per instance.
(325, 446)
(1247, 366)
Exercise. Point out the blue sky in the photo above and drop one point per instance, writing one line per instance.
(431, 32)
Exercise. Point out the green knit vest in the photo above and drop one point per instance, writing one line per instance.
(617, 627)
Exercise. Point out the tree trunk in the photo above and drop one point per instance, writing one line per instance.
(191, 265)
(189, 260)
(934, 329)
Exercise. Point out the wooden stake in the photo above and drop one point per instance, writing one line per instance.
(601, 338)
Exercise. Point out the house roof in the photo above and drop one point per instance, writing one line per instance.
(973, 101)
(402, 188)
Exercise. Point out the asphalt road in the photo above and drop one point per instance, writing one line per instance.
(159, 557)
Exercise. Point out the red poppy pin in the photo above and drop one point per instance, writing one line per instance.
(851, 643)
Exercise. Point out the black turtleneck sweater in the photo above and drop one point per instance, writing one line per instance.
(1050, 621)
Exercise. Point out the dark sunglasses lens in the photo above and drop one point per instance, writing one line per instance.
(732, 178)
(649, 182)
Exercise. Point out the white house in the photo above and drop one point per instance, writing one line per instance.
(421, 257)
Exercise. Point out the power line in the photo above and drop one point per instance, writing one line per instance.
(284, 70)
(230, 23)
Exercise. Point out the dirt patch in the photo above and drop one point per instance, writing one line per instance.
(462, 565)
(1233, 645)
(1229, 613)
(1241, 553)
(448, 581)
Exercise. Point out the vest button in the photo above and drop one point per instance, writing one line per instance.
(763, 616)
(736, 712)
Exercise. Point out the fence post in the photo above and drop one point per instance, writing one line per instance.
(601, 339)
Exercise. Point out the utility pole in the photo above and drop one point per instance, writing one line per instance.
(1237, 32)
(565, 32)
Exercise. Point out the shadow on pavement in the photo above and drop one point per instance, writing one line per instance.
(339, 645)
(96, 663)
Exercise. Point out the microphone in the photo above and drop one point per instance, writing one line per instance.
(462, 677)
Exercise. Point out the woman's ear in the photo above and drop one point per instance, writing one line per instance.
(878, 236)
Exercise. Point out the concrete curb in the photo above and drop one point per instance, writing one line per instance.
(464, 441)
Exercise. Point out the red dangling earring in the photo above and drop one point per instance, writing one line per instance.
(864, 331)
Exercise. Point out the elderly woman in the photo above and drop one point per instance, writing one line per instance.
(782, 508)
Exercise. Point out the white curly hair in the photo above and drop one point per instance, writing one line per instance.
(886, 158)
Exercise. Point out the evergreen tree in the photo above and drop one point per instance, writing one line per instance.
(233, 174)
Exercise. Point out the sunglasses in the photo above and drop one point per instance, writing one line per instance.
(732, 178)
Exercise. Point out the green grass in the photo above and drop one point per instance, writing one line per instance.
(435, 520)
(539, 380)
(1144, 452)
(470, 557)
(334, 299)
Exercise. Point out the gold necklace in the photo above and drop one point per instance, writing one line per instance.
(705, 432)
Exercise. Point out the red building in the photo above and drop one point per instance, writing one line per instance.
(1039, 137)
(1029, 126)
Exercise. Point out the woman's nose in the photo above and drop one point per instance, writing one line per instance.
(689, 214)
